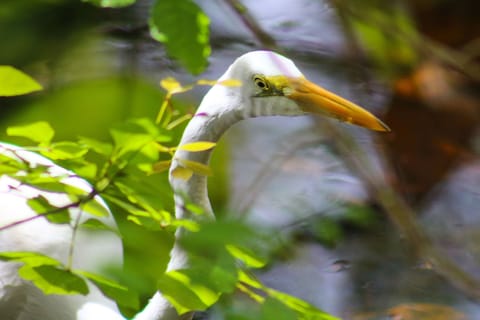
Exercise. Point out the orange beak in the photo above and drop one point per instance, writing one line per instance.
(312, 98)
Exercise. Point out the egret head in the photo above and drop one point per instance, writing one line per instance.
(273, 85)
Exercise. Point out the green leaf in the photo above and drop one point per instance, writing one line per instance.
(184, 295)
(306, 310)
(95, 224)
(96, 208)
(99, 147)
(32, 259)
(195, 167)
(111, 3)
(9, 165)
(183, 27)
(40, 205)
(82, 168)
(197, 146)
(138, 137)
(46, 273)
(40, 132)
(64, 150)
(247, 256)
(59, 217)
(250, 280)
(53, 214)
(217, 271)
(274, 309)
(14, 82)
(53, 280)
(112, 289)
(213, 237)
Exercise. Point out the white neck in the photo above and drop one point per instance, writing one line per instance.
(209, 124)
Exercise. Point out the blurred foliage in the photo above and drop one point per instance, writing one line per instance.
(14, 82)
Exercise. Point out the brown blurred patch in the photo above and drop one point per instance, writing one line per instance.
(433, 115)
(424, 311)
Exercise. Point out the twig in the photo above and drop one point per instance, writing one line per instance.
(263, 37)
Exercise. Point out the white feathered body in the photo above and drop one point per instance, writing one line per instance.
(20, 299)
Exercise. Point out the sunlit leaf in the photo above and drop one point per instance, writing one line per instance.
(184, 294)
(30, 258)
(306, 310)
(171, 85)
(195, 209)
(226, 83)
(96, 208)
(95, 224)
(99, 147)
(40, 132)
(84, 169)
(195, 167)
(40, 205)
(64, 150)
(161, 166)
(9, 165)
(53, 280)
(247, 256)
(188, 224)
(59, 216)
(182, 173)
(250, 280)
(231, 83)
(183, 27)
(138, 137)
(14, 82)
(206, 82)
(197, 146)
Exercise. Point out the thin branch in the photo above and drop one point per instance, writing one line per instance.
(263, 37)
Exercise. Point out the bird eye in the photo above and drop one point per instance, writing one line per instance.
(261, 83)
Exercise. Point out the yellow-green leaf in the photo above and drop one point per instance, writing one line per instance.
(54, 280)
(184, 293)
(161, 166)
(95, 208)
(227, 82)
(40, 131)
(197, 146)
(171, 85)
(195, 167)
(206, 82)
(231, 83)
(182, 173)
(14, 82)
(249, 258)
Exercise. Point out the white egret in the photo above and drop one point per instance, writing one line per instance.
(20, 299)
(271, 85)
